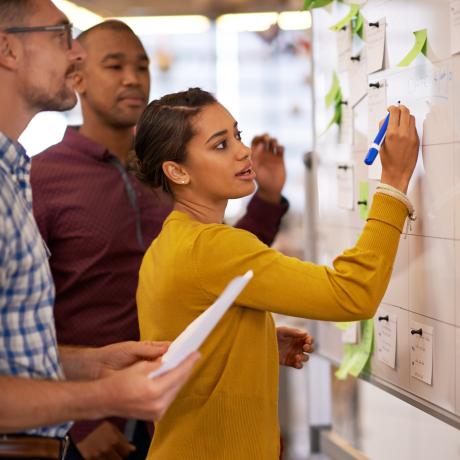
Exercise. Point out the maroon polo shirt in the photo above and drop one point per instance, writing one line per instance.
(98, 219)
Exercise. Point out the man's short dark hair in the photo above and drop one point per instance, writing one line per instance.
(110, 24)
(15, 12)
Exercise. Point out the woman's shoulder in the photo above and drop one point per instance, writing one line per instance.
(181, 222)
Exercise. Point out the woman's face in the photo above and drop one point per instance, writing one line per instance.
(218, 163)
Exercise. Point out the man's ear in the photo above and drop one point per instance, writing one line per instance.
(176, 173)
(10, 51)
(79, 84)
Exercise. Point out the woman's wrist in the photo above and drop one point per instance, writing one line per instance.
(396, 193)
(400, 184)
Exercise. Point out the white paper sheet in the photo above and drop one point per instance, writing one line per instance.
(345, 186)
(386, 338)
(358, 79)
(346, 125)
(375, 45)
(198, 330)
(455, 26)
(343, 48)
(352, 335)
(421, 353)
(377, 111)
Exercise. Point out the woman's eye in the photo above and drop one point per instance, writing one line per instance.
(221, 145)
(114, 67)
(238, 135)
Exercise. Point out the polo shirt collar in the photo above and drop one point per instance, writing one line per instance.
(82, 144)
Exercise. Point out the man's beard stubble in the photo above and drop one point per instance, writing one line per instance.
(41, 100)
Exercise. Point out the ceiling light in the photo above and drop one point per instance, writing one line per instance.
(80, 17)
(258, 22)
(247, 22)
(295, 20)
(165, 25)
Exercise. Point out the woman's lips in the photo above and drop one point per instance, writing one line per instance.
(246, 174)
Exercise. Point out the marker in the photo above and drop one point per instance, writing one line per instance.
(374, 149)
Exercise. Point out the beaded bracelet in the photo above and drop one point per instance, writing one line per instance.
(386, 189)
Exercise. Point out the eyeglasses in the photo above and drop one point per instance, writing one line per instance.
(67, 27)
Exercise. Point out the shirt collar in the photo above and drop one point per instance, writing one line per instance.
(82, 144)
(13, 156)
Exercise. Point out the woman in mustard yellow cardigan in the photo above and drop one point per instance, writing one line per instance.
(190, 145)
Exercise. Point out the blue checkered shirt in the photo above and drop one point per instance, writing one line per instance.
(28, 346)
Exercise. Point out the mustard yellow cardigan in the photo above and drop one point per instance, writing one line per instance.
(228, 409)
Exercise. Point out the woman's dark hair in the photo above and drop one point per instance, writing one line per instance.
(163, 132)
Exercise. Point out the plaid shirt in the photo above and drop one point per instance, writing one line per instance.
(28, 346)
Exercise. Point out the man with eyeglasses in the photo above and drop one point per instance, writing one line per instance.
(37, 67)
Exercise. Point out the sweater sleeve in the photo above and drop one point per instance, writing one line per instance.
(351, 290)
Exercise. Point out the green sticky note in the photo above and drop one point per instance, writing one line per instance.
(357, 356)
(311, 4)
(334, 91)
(343, 326)
(420, 46)
(354, 10)
(336, 118)
(357, 25)
(363, 201)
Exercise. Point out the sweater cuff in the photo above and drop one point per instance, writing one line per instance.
(268, 212)
(389, 210)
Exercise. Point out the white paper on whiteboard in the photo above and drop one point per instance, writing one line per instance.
(455, 26)
(375, 45)
(377, 107)
(386, 338)
(421, 353)
(193, 336)
(345, 187)
(358, 79)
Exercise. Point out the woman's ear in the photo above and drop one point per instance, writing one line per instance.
(176, 173)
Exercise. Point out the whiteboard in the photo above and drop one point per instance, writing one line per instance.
(425, 285)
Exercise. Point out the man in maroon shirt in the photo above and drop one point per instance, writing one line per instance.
(98, 219)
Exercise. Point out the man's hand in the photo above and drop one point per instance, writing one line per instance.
(120, 355)
(293, 346)
(105, 442)
(268, 163)
(130, 393)
(92, 363)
